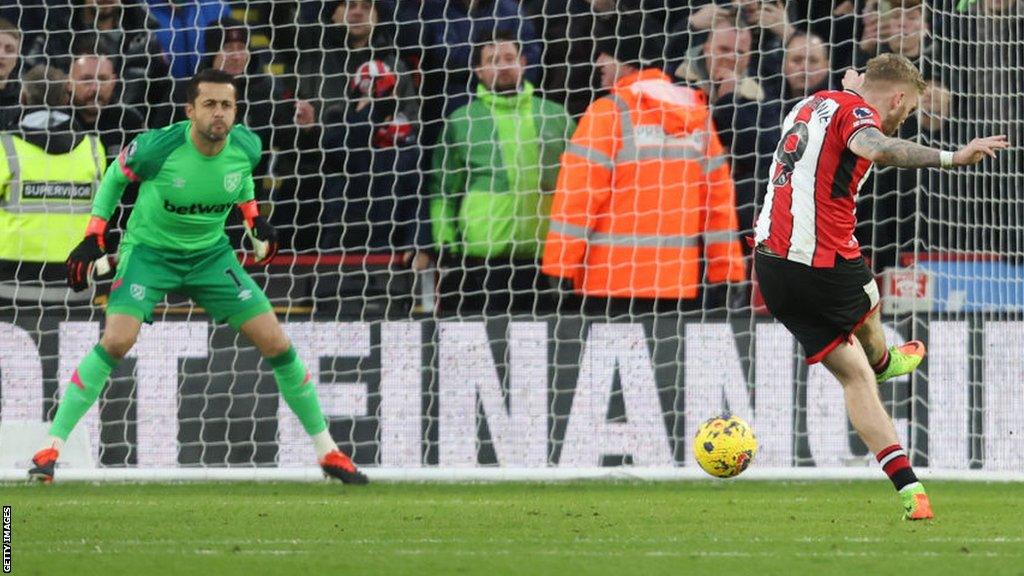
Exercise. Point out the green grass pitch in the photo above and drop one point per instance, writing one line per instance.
(620, 528)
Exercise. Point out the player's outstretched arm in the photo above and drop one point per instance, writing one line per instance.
(872, 145)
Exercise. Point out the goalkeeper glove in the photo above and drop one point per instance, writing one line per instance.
(84, 257)
(260, 232)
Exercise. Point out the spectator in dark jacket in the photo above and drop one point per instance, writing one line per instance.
(770, 29)
(747, 120)
(401, 20)
(897, 26)
(127, 34)
(361, 96)
(832, 21)
(349, 32)
(369, 134)
(805, 69)
(100, 27)
(93, 85)
(124, 32)
(767, 21)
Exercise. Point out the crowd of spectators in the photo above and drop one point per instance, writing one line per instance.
(433, 129)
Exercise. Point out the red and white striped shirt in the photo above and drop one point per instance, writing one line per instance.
(810, 211)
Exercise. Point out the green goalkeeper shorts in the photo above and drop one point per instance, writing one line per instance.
(212, 278)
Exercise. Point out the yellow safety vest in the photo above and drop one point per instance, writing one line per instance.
(45, 199)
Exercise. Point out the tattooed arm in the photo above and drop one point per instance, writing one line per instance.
(871, 144)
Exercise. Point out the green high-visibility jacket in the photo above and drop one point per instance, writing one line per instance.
(493, 174)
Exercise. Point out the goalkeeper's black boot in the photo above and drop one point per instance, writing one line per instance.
(337, 464)
(43, 464)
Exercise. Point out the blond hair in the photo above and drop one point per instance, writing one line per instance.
(894, 68)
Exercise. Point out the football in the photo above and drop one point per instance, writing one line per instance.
(725, 446)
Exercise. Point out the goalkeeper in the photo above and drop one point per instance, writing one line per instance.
(192, 173)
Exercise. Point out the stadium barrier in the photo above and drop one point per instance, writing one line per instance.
(512, 398)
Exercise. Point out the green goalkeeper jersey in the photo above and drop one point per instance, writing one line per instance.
(184, 196)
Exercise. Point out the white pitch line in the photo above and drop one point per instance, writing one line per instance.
(225, 549)
(674, 540)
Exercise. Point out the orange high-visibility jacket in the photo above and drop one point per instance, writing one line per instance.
(644, 191)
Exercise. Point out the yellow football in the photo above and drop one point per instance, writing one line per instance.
(724, 446)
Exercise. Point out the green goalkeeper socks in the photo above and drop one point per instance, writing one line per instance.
(88, 380)
(81, 393)
(298, 391)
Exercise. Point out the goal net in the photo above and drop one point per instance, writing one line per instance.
(385, 165)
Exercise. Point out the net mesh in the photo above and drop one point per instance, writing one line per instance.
(413, 208)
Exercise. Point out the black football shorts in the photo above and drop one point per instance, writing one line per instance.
(821, 307)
